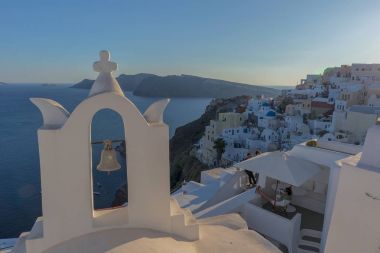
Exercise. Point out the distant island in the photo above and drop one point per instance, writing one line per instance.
(2, 83)
(49, 84)
(150, 85)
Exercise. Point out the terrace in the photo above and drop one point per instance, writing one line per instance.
(312, 169)
(311, 201)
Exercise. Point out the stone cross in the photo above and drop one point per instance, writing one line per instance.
(105, 65)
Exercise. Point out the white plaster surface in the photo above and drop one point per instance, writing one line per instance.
(105, 81)
(370, 157)
(355, 222)
(155, 112)
(54, 114)
(227, 233)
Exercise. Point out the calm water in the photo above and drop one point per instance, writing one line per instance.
(20, 198)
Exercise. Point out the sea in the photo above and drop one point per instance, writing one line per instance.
(20, 190)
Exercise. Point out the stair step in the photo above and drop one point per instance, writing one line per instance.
(37, 230)
(20, 244)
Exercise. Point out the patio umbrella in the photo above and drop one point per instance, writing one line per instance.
(282, 167)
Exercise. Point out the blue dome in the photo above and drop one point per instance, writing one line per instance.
(265, 104)
(271, 114)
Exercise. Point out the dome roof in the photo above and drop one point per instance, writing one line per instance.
(265, 104)
(271, 114)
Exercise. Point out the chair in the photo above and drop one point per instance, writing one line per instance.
(304, 240)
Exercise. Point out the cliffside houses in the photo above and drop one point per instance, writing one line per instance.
(206, 152)
(340, 101)
(237, 142)
(340, 104)
(261, 128)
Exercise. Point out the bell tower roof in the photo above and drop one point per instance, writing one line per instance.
(105, 82)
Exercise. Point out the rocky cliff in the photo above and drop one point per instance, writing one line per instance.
(184, 166)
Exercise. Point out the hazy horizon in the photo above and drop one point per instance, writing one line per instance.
(116, 75)
(256, 42)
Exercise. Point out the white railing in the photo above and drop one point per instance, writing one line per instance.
(283, 230)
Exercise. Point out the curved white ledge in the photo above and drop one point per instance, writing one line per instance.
(155, 112)
(54, 114)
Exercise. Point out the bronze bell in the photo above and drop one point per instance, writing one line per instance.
(108, 158)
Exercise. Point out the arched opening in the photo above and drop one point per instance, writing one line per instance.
(109, 188)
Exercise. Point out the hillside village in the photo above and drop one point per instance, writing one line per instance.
(338, 105)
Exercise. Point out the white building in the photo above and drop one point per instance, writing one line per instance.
(237, 148)
(236, 153)
(365, 73)
(308, 93)
(293, 123)
(239, 134)
(320, 125)
(254, 104)
(355, 121)
(267, 118)
(372, 94)
(270, 139)
(374, 100)
(206, 152)
(333, 95)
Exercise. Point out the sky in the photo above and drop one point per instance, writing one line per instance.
(267, 42)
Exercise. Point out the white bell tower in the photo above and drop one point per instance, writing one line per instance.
(66, 170)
